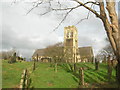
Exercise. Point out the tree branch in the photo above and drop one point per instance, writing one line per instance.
(95, 3)
(63, 19)
(66, 8)
(44, 13)
(70, 9)
(76, 6)
(84, 18)
(82, 4)
(60, 6)
(35, 6)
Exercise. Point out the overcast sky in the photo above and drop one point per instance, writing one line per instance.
(26, 33)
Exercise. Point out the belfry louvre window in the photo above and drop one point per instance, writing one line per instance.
(69, 34)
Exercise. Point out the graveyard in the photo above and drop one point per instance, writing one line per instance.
(60, 66)
(58, 44)
(45, 76)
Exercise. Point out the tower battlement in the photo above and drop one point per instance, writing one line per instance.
(70, 27)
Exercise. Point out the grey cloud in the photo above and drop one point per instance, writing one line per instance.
(31, 32)
(24, 45)
(96, 43)
(85, 41)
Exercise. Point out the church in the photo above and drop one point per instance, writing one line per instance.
(72, 51)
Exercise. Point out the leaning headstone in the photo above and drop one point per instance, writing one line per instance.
(12, 58)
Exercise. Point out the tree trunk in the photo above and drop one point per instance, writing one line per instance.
(118, 65)
(118, 73)
(113, 33)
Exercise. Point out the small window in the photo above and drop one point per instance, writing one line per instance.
(69, 34)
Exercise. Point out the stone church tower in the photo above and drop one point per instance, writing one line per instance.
(71, 44)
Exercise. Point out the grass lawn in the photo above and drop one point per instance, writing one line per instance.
(11, 73)
(98, 78)
(44, 76)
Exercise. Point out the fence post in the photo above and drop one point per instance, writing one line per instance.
(75, 68)
(109, 69)
(96, 64)
(81, 78)
(37, 57)
(34, 65)
(22, 79)
(25, 80)
(55, 67)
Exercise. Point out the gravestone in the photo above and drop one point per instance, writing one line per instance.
(13, 58)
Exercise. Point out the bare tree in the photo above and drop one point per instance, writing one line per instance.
(105, 52)
(56, 52)
(7, 54)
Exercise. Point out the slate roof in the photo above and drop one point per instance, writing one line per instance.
(86, 52)
(40, 52)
